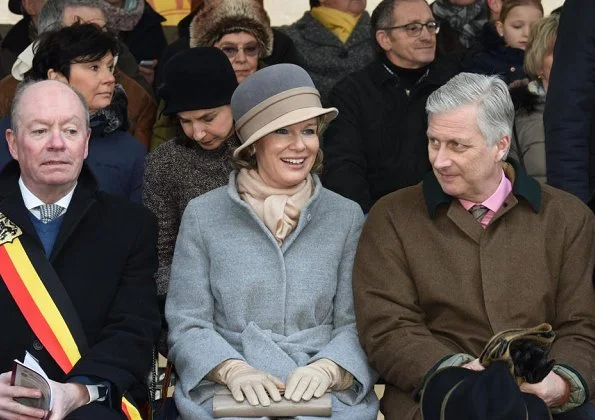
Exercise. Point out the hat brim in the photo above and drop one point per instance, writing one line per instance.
(438, 386)
(293, 117)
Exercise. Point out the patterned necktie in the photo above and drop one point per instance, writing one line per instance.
(49, 212)
(478, 211)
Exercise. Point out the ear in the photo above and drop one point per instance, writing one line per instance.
(500, 28)
(383, 39)
(56, 75)
(503, 147)
(87, 144)
(12, 147)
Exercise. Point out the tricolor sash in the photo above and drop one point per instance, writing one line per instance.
(39, 302)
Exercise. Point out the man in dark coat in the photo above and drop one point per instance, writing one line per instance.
(570, 106)
(378, 142)
(94, 253)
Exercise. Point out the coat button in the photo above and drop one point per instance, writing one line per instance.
(37, 345)
(309, 217)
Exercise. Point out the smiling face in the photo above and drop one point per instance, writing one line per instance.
(517, 24)
(404, 50)
(285, 157)
(50, 140)
(243, 51)
(353, 7)
(208, 127)
(465, 166)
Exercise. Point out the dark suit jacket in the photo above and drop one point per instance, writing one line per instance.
(105, 256)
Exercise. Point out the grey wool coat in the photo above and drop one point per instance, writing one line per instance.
(326, 58)
(235, 294)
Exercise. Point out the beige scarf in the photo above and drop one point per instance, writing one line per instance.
(278, 208)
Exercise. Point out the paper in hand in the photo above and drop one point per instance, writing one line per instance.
(29, 374)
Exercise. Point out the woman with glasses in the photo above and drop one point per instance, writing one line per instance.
(197, 89)
(241, 29)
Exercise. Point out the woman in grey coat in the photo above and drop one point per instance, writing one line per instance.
(260, 299)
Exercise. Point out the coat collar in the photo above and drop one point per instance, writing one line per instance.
(13, 207)
(523, 186)
(439, 72)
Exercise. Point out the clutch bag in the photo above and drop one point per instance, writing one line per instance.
(225, 406)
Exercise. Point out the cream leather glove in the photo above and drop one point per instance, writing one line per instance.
(315, 379)
(244, 380)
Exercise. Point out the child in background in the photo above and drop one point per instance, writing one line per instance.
(506, 60)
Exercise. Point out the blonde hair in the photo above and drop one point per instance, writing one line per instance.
(246, 158)
(541, 42)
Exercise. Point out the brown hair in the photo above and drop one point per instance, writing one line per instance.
(508, 5)
(541, 42)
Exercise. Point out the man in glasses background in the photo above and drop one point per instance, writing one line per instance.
(378, 142)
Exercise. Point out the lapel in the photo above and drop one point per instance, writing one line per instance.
(12, 205)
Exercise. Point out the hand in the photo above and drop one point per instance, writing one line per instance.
(306, 382)
(12, 410)
(552, 390)
(148, 71)
(67, 398)
(474, 365)
(315, 379)
(244, 380)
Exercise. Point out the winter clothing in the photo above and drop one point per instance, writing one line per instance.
(276, 308)
(569, 111)
(502, 61)
(178, 171)
(378, 143)
(115, 157)
(140, 106)
(273, 98)
(528, 145)
(417, 305)
(198, 78)
(104, 256)
(17, 39)
(461, 27)
(222, 17)
(326, 58)
(147, 39)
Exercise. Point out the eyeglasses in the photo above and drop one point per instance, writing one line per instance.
(414, 29)
(249, 50)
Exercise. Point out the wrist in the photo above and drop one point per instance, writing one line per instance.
(78, 393)
(565, 395)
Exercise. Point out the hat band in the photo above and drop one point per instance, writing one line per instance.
(275, 107)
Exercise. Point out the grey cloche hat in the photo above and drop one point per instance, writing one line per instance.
(273, 98)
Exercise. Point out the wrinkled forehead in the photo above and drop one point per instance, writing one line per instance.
(55, 102)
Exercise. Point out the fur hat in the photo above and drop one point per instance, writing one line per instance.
(220, 17)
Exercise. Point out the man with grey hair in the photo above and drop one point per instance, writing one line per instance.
(377, 143)
(476, 248)
(76, 269)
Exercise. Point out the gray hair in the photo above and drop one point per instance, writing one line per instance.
(495, 111)
(15, 109)
(51, 14)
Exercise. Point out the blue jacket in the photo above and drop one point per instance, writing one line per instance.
(570, 104)
(117, 160)
(503, 61)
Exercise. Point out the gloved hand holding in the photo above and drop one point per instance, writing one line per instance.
(315, 379)
(244, 380)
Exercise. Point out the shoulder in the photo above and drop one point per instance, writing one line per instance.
(217, 199)
(339, 205)
(122, 213)
(405, 203)
(562, 203)
(299, 25)
(124, 142)
(365, 78)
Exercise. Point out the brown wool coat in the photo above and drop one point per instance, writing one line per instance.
(142, 108)
(429, 282)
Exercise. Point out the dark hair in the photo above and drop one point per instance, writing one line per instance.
(79, 43)
(314, 3)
